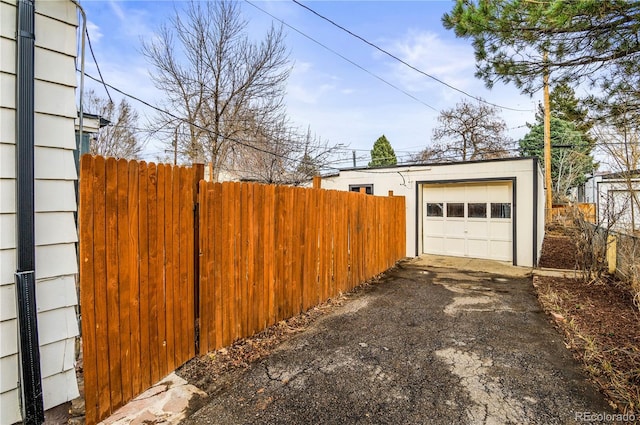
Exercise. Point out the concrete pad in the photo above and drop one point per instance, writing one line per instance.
(473, 264)
(164, 403)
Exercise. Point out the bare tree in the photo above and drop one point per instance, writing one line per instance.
(433, 153)
(471, 132)
(282, 154)
(218, 82)
(621, 144)
(120, 138)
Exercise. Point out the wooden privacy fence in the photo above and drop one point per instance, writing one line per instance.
(564, 213)
(136, 223)
(271, 252)
(169, 262)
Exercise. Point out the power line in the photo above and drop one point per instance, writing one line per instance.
(230, 139)
(97, 66)
(344, 58)
(404, 62)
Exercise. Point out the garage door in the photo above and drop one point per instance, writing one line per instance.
(468, 220)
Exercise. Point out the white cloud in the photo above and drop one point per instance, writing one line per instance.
(308, 85)
(117, 10)
(450, 61)
(307, 93)
(94, 32)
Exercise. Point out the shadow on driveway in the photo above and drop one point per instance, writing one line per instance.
(425, 345)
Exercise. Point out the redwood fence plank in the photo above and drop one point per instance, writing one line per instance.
(189, 204)
(170, 266)
(176, 266)
(235, 271)
(205, 296)
(217, 262)
(113, 299)
(186, 262)
(134, 300)
(143, 231)
(155, 295)
(100, 276)
(258, 276)
(124, 277)
(226, 283)
(161, 284)
(270, 253)
(87, 290)
(243, 260)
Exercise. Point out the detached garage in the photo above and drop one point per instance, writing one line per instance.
(481, 209)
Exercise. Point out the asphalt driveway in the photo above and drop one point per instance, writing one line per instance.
(426, 345)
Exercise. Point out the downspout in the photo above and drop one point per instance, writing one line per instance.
(81, 108)
(29, 347)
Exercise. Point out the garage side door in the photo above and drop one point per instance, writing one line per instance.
(468, 220)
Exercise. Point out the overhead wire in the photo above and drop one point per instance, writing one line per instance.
(246, 144)
(343, 57)
(230, 139)
(396, 58)
(97, 66)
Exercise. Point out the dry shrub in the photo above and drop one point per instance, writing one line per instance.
(591, 243)
(628, 264)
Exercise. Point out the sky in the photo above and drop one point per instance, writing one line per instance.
(339, 101)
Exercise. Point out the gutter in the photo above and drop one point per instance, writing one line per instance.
(29, 347)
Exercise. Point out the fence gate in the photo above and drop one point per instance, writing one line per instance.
(136, 223)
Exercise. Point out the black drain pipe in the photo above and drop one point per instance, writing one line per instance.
(29, 347)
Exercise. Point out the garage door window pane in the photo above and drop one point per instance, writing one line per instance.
(477, 210)
(356, 188)
(455, 210)
(501, 210)
(434, 209)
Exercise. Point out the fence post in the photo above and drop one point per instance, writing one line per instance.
(198, 174)
(391, 194)
(317, 182)
(612, 253)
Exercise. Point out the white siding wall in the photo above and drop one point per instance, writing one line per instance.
(403, 181)
(614, 203)
(56, 236)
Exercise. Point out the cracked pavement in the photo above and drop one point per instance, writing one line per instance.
(425, 345)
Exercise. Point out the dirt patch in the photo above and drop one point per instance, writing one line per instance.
(558, 250)
(600, 322)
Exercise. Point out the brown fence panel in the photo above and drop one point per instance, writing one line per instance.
(564, 213)
(270, 252)
(136, 228)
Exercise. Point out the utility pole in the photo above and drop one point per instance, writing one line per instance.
(354, 158)
(175, 147)
(547, 140)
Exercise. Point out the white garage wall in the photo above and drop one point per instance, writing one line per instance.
(56, 236)
(405, 181)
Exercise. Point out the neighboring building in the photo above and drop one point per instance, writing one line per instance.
(616, 198)
(56, 263)
(490, 209)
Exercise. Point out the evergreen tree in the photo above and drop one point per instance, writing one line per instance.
(571, 156)
(566, 106)
(382, 153)
(591, 41)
